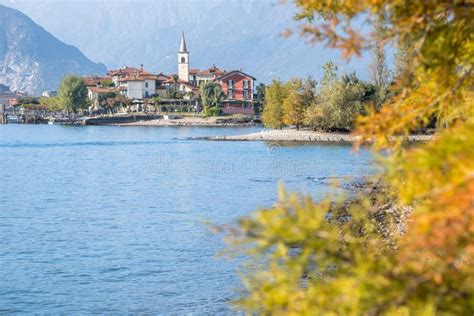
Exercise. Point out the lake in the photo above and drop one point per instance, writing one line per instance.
(108, 220)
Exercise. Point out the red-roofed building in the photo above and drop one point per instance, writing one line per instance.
(94, 81)
(94, 93)
(237, 87)
(138, 83)
(208, 75)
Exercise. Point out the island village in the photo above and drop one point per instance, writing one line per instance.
(138, 90)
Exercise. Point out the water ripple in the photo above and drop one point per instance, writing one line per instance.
(110, 220)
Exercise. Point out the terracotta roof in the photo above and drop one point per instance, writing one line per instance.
(95, 80)
(139, 77)
(101, 90)
(234, 72)
(161, 76)
(188, 84)
(193, 71)
(127, 71)
(171, 80)
(212, 71)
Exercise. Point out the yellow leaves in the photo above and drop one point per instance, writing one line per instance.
(275, 94)
(445, 163)
(322, 258)
(417, 108)
(313, 258)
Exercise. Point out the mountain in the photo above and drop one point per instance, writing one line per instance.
(232, 34)
(33, 60)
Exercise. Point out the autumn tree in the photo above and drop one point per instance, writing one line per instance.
(300, 95)
(403, 62)
(293, 108)
(358, 256)
(275, 94)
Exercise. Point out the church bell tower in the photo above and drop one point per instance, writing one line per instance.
(183, 60)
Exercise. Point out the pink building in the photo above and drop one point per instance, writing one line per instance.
(238, 91)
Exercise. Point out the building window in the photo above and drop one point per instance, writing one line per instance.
(230, 84)
(146, 84)
(146, 94)
(246, 93)
(246, 84)
(230, 94)
(183, 60)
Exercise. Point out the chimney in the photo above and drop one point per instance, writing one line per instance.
(141, 67)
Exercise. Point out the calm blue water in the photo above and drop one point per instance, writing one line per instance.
(111, 219)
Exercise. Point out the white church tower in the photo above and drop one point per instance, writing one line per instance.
(183, 60)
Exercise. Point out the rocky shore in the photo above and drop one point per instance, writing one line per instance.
(301, 136)
(194, 121)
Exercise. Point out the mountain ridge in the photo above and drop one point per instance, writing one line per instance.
(32, 60)
(231, 34)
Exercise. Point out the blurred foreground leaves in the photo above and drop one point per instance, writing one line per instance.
(405, 247)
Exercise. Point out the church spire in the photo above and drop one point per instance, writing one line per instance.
(183, 60)
(182, 45)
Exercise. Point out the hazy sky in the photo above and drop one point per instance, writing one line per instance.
(232, 34)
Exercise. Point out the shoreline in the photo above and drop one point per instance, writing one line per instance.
(189, 121)
(183, 123)
(288, 135)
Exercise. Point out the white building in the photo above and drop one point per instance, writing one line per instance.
(183, 60)
(139, 86)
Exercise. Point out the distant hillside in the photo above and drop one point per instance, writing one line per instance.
(33, 60)
(231, 34)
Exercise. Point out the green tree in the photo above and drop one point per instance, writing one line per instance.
(275, 94)
(329, 74)
(175, 82)
(27, 100)
(339, 102)
(259, 98)
(51, 104)
(106, 83)
(156, 99)
(211, 98)
(260, 92)
(72, 93)
(174, 95)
